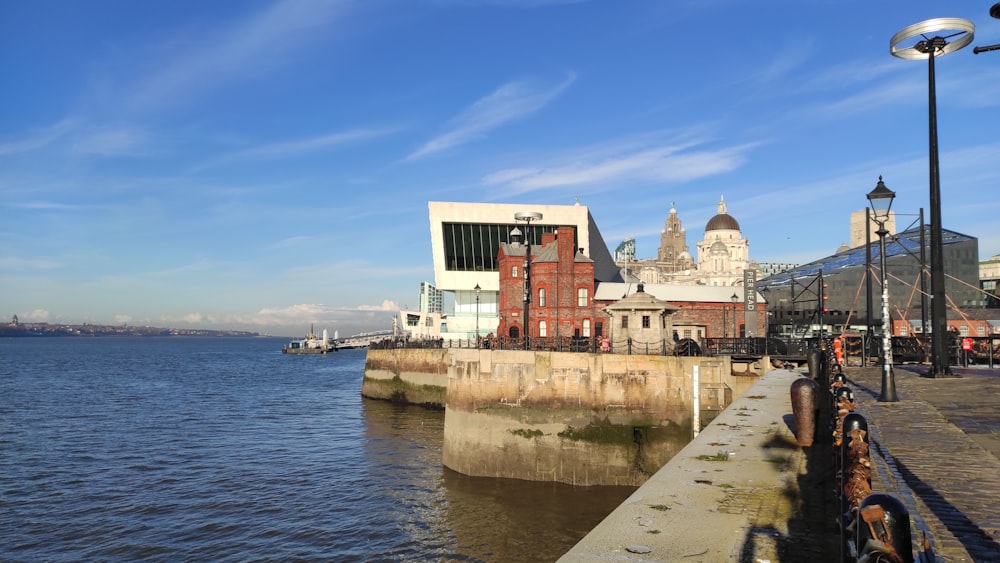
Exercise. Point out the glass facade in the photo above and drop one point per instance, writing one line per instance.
(473, 247)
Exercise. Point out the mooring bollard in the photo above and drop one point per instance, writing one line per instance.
(813, 358)
(804, 406)
(883, 527)
(843, 403)
(854, 476)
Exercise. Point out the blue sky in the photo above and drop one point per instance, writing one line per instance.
(267, 164)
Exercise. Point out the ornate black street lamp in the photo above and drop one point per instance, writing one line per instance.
(527, 217)
(478, 289)
(994, 13)
(960, 32)
(881, 201)
(734, 299)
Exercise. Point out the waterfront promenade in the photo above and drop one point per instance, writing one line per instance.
(743, 490)
(938, 449)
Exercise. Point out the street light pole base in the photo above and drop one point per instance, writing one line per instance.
(888, 394)
(933, 373)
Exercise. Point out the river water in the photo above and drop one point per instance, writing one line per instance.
(223, 449)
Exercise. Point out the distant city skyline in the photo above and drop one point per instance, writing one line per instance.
(266, 165)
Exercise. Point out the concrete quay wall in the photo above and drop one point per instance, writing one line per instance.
(416, 376)
(578, 418)
(728, 494)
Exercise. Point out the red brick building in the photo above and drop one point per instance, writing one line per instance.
(562, 289)
(566, 300)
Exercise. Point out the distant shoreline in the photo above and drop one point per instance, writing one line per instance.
(29, 330)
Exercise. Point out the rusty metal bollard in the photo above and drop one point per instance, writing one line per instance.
(843, 403)
(805, 393)
(813, 359)
(883, 527)
(854, 466)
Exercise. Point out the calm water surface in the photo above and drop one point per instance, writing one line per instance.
(223, 449)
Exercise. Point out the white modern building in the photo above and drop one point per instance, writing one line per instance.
(466, 238)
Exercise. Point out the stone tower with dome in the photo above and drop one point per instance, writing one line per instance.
(723, 254)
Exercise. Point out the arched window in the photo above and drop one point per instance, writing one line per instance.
(586, 328)
(541, 297)
(542, 329)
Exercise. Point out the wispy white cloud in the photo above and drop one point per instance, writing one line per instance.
(884, 93)
(510, 3)
(39, 205)
(198, 266)
(664, 163)
(121, 141)
(291, 242)
(781, 66)
(34, 316)
(233, 53)
(38, 139)
(387, 305)
(12, 263)
(511, 101)
(295, 318)
(301, 146)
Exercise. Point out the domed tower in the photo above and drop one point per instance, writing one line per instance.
(723, 254)
(673, 255)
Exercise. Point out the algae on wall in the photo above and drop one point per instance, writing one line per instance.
(579, 418)
(399, 391)
(407, 375)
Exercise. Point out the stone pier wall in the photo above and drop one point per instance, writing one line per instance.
(417, 376)
(580, 418)
(585, 419)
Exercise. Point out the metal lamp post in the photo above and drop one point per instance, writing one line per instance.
(961, 32)
(734, 299)
(478, 289)
(994, 13)
(881, 201)
(527, 217)
(725, 321)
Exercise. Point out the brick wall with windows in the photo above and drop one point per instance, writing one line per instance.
(562, 288)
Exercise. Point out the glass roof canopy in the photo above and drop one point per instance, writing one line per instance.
(906, 243)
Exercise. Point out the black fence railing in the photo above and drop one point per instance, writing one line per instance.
(857, 350)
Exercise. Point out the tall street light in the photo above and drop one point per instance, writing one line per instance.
(881, 201)
(527, 217)
(960, 32)
(734, 299)
(478, 289)
(994, 13)
(725, 321)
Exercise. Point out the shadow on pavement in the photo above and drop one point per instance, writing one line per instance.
(974, 539)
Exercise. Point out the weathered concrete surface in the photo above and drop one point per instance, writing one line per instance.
(579, 418)
(740, 491)
(407, 375)
(419, 366)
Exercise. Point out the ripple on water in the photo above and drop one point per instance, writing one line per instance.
(226, 450)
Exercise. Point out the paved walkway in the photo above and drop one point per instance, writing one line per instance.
(743, 490)
(938, 451)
